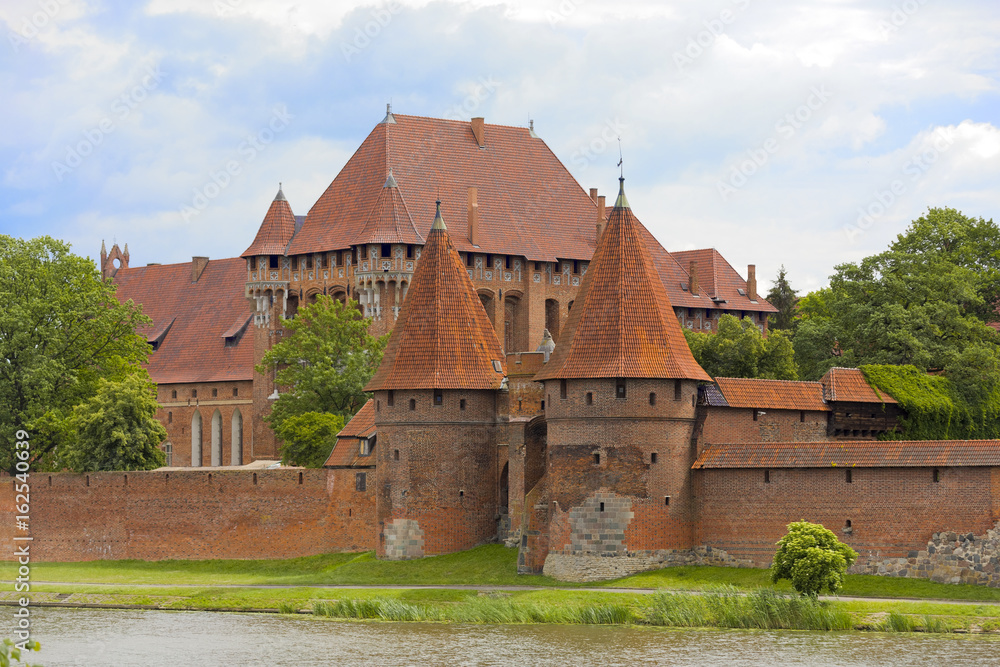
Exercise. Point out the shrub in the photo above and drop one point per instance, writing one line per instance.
(812, 558)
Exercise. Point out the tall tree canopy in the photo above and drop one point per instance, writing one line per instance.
(324, 363)
(61, 331)
(784, 298)
(738, 349)
(925, 301)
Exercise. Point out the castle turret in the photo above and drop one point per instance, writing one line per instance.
(436, 398)
(620, 394)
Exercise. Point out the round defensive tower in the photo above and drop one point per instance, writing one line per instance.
(620, 402)
(436, 397)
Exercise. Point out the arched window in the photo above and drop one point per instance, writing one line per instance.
(217, 438)
(236, 447)
(196, 439)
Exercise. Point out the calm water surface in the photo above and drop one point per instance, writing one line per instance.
(158, 638)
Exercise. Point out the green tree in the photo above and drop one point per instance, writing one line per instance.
(784, 298)
(739, 349)
(812, 558)
(324, 363)
(10, 654)
(61, 331)
(924, 301)
(308, 439)
(117, 428)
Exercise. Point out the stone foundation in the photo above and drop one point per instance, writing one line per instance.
(404, 540)
(580, 566)
(950, 558)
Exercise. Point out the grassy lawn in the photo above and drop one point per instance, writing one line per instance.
(490, 565)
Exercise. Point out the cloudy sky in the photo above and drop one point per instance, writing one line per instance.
(803, 134)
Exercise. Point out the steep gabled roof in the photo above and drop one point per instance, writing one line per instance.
(275, 231)
(622, 323)
(519, 182)
(443, 338)
(852, 454)
(192, 319)
(389, 220)
(772, 394)
(850, 385)
(347, 450)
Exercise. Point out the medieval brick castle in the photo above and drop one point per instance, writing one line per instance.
(607, 451)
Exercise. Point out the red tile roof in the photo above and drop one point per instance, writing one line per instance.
(519, 181)
(362, 424)
(773, 394)
(622, 323)
(850, 385)
(443, 338)
(716, 278)
(275, 231)
(529, 204)
(193, 349)
(347, 451)
(849, 454)
(389, 220)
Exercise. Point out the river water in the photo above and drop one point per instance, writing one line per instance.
(159, 638)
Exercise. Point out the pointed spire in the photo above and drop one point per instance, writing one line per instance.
(275, 231)
(104, 250)
(126, 251)
(438, 220)
(443, 338)
(622, 324)
(281, 195)
(621, 202)
(390, 181)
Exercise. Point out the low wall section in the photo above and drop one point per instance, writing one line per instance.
(193, 514)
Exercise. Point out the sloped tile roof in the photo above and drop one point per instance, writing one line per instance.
(850, 385)
(622, 323)
(519, 182)
(443, 338)
(275, 231)
(850, 454)
(347, 451)
(362, 424)
(773, 394)
(389, 220)
(193, 349)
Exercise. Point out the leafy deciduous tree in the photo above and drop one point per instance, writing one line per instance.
(812, 558)
(739, 349)
(308, 438)
(117, 429)
(61, 330)
(324, 363)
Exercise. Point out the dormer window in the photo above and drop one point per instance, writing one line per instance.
(368, 445)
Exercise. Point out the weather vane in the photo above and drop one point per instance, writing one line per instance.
(621, 170)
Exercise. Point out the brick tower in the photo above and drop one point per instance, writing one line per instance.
(438, 396)
(269, 275)
(620, 394)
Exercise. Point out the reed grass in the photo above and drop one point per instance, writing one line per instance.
(763, 608)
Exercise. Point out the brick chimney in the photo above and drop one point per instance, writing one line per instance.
(473, 217)
(593, 194)
(693, 278)
(198, 265)
(752, 282)
(479, 130)
(601, 220)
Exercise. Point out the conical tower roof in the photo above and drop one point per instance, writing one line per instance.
(622, 324)
(276, 230)
(443, 338)
(389, 221)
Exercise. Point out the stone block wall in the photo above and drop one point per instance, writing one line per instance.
(949, 558)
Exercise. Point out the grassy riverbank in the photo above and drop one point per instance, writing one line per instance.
(490, 565)
(731, 597)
